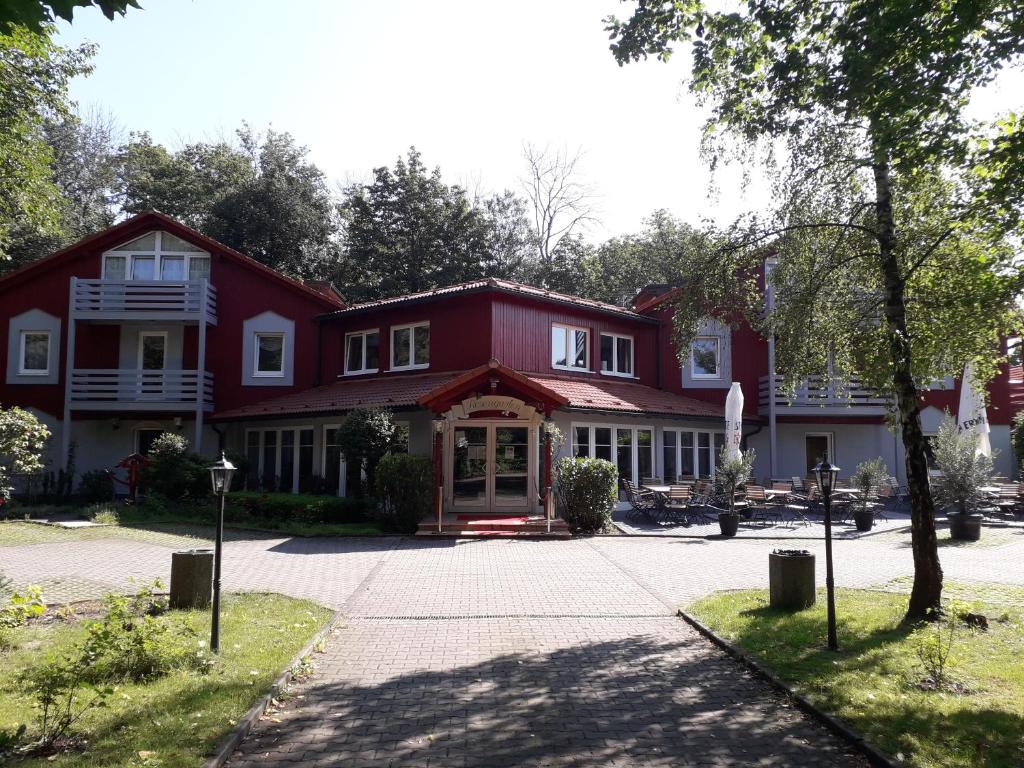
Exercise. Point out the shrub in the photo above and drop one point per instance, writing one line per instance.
(299, 507)
(173, 471)
(96, 486)
(868, 475)
(365, 436)
(963, 472)
(16, 608)
(586, 491)
(405, 491)
(732, 473)
(22, 441)
(62, 694)
(103, 514)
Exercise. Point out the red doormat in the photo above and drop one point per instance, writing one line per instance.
(490, 519)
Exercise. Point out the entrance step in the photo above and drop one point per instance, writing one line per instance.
(478, 526)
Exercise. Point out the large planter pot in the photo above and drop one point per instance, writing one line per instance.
(864, 519)
(729, 523)
(791, 579)
(191, 578)
(965, 527)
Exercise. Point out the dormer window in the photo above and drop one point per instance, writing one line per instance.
(156, 256)
(705, 358)
(570, 348)
(410, 346)
(361, 352)
(616, 355)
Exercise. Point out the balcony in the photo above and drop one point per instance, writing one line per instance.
(820, 395)
(190, 300)
(112, 389)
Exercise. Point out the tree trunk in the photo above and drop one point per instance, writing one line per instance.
(927, 591)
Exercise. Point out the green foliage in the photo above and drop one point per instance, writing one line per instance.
(96, 486)
(963, 472)
(16, 608)
(175, 473)
(37, 14)
(365, 436)
(869, 474)
(933, 644)
(732, 473)
(586, 492)
(22, 441)
(34, 76)
(1017, 438)
(103, 514)
(405, 491)
(300, 507)
(62, 694)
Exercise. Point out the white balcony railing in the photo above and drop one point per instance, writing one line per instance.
(143, 299)
(112, 389)
(820, 394)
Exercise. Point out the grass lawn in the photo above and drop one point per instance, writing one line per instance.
(872, 682)
(175, 720)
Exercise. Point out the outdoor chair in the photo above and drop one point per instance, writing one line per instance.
(760, 508)
(677, 504)
(642, 504)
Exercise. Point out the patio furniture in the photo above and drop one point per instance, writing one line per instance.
(643, 504)
(760, 507)
(678, 504)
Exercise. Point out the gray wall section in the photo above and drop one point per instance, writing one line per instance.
(267, 322)
(724, 334)
(129, 351)
(33, 320)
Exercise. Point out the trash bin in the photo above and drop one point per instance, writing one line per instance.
(791, 579)
(191, 578)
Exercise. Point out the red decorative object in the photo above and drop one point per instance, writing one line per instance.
(133, 464)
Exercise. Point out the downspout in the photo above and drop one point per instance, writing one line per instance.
(220, 436)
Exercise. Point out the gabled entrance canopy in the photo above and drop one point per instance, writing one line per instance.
(492, 386)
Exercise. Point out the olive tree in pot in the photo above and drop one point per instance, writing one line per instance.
(731, 474)
(964, 472)
(869, 474)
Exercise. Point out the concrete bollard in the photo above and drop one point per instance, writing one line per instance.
(791, 579)
(191, 578)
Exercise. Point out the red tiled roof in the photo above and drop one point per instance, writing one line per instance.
(603, 395)
(409, 391)
(388, 391)
(506, 286)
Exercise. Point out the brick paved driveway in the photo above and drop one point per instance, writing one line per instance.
(499, 652)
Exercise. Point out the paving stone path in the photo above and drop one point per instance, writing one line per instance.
(503, 652)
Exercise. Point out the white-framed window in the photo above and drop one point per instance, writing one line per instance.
(269, 357)
(156, 256)
(706, 358)
(690, 453)
(570, 347)
(616, 354)
(362, 352)
(410, 346)
(630, 448)
(280, 459)
(34, 356)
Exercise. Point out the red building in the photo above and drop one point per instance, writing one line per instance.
(165, 329)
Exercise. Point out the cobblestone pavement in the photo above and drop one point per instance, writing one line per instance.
(511, 652)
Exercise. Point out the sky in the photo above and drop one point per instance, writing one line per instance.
(467, 82)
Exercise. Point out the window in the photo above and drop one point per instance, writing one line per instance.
(152, 350)
(144, 439)
(616, 354)
(633, 448)
(269, 354)
(705, 358)
(281, 459)
(35, 353)
(569, 348)
(410, 346)
(361, 352)
(156, 256)
(685, 450)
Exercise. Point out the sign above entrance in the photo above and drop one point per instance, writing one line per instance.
(491, 405)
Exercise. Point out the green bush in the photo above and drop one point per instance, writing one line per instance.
(174, 472)
(103, 514)
(963, 472)
(300, 507)
(586, 491)
(16, 608)
(96, 486)
(405, 491)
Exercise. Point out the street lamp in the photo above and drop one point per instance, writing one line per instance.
(826, 475)
(220, 479)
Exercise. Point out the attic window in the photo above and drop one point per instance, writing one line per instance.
(156, 256)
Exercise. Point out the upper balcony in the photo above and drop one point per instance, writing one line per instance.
(98, 389)
(819, 396)
(188, 300)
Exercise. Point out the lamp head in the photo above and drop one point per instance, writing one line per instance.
(220, 475)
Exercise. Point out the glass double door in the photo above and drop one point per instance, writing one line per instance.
(490, 467)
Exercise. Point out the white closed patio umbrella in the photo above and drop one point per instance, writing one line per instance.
(971, 416)
(733, 421)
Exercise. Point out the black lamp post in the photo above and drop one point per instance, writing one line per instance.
(826, 475)
(220, 478)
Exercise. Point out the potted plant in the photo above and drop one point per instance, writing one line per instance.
(731, 474)
(964, 472)
(869, 474)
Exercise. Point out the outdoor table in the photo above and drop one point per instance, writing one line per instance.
(657, 488)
